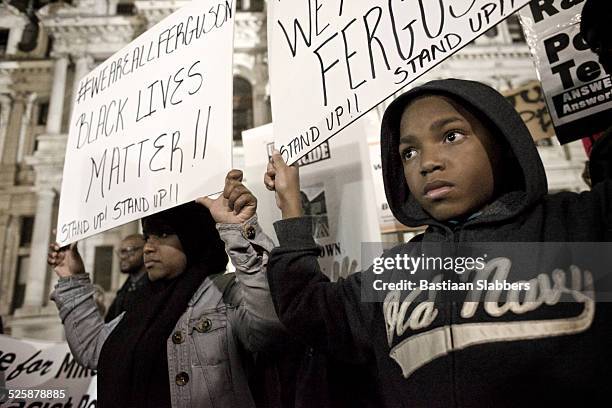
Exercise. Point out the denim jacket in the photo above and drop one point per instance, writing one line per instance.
(223, 317)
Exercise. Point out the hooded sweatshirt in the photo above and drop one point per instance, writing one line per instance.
(554, 355)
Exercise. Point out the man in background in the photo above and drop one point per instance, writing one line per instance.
(130, 262)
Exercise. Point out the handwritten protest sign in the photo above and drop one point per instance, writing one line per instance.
(44, 374)
(336, 189)
(151, 127)
(332, 60)
(578, 91)
(528, 100)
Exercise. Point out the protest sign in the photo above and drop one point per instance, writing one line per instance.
(528, 100)
(152, 126)
(578, 91)
(333, 61)
(44, 374)
(337, 192)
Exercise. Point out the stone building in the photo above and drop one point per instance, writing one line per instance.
(47, 46)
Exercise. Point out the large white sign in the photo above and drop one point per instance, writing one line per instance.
(151, 126)
(577, 89)
(337, 192)
(331, 61)
(44, 374)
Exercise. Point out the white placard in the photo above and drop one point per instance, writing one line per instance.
(337, 191)
(331, 61)
(35, 369)
(578, 92)
(152, 125)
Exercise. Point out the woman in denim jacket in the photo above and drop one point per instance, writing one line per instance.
(189, 343)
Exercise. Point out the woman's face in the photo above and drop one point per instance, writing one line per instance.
(164, 257)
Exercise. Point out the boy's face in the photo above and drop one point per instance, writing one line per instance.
(448, 157)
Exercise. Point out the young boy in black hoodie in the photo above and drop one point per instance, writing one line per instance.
(457, 158)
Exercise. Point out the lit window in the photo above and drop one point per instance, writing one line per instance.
(43, 111)
(243, 107)
(125, 9)
(103, 266)
(23, 262)
(257, 5)
(250, 5)
(27, 228)
(4, 35)
(23, 266)
(516, 31)
(492, 32)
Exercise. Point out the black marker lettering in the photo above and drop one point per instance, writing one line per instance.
(206, 132)
(452, 10)
(396, 34)
(108, 132)
(120, 114)
(348, 56)
(158, 149)
(176, 137)
(164, 92)
(371, 35)
(126, 149)
(297, 26)
(424, 19)
(191, 74)
(114, 169)
(178, 82)
(97, 170)
(325, 69)
(140, 156)
(195, 136)
(317, 8)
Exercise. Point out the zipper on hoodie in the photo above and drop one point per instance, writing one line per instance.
(453, 235)
(456, 239)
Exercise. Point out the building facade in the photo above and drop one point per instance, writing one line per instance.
(47, 46)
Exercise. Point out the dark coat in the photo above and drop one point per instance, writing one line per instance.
(555, 355)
